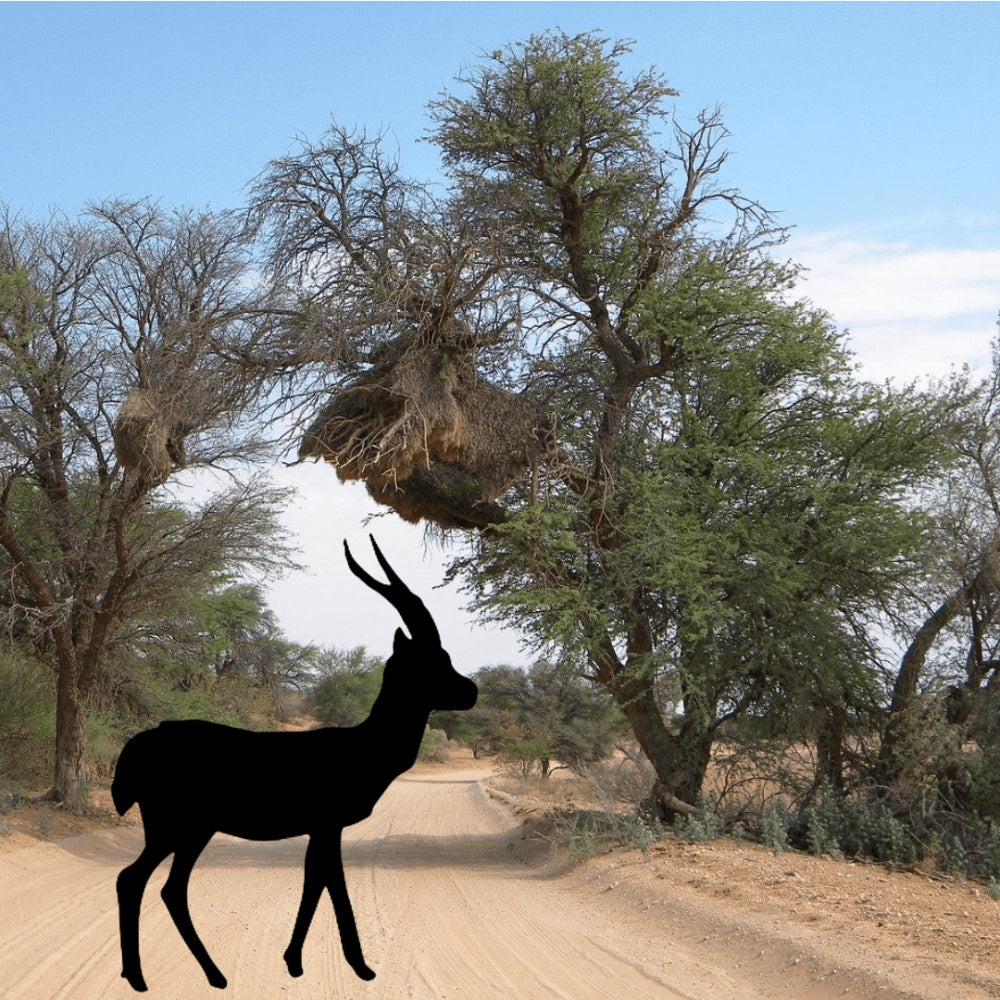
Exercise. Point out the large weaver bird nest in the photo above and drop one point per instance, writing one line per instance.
(430, 439)
(149, 435)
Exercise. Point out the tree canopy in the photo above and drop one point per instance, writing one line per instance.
(701, 498)
(122, 338)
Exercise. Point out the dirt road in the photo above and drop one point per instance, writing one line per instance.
(449, 905)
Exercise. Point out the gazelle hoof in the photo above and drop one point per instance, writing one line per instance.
(136, 981)
(294, 965)
(363, 971)
(217, 979)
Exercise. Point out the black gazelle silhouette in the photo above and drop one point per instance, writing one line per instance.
(193, 779)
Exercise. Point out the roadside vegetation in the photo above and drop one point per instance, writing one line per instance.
(237, 669)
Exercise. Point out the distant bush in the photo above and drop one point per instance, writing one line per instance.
(433, 745)
(537, 720)
(346, 686)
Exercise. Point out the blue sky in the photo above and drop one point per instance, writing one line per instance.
(872, 128)
(845, 114)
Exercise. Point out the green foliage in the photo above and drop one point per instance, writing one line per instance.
(871, 829)
(433, 745)
(581, 835)
(142, 697)
(823, 818)
(346, 687)
(642, 830)
(705, 827)
(858, 825)
(221, 641)
(553, 114)
(884, 836)
(968, 847)
(457, 727)
(26, 717)
(586, 833)
(525, 747)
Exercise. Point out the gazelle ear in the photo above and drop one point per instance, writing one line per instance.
(400, 641)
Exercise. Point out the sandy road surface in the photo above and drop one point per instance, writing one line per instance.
(443, 907)
(447, 904)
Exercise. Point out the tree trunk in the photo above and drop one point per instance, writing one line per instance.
(680, 761)
(72, 768)
(830, 746)
(890, 763)
(692, 753)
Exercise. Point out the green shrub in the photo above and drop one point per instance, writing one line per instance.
(703, 828)
(525, 748)
(586, 832)
(969, 847)
(824, 822)
(873, 830)
(582, 835)
(348, 684)
(775, 822)
(642, 830)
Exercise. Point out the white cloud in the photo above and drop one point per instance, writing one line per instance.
(911, 311)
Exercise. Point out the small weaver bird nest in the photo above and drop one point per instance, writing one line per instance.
(149, 436)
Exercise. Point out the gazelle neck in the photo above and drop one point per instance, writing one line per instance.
(397, 722)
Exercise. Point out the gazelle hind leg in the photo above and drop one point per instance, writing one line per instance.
(174, 894)
(130, 887)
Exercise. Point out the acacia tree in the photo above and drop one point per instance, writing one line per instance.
(132, 302)
(712, 505)
(951, 658)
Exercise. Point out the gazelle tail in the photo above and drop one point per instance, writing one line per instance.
(123, 792)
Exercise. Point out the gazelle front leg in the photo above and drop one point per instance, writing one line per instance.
(336, 884)
(174, 894)
(324, 867)
(130, 886)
